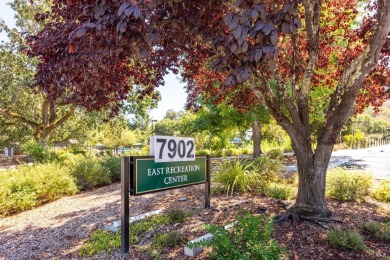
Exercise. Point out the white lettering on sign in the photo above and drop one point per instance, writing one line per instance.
(174, 169)
(170, 180)
(172, 149)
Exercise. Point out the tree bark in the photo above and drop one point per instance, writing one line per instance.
(256, 137)
(312, 167)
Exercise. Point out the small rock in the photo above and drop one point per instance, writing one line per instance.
(182, 199)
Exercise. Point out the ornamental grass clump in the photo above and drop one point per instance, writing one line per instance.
(234, 176)
(246, 175)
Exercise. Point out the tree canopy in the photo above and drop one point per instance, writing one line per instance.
(307, 61)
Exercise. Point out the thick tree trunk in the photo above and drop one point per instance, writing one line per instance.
(312, 169)
(256, 137)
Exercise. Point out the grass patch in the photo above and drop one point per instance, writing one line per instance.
(378, 231)
(346, 239)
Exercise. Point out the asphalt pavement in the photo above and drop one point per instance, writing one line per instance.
(374, 159)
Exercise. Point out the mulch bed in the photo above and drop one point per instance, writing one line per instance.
(303, 241)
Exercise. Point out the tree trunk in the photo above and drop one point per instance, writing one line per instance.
(256, 137)
(312, 167)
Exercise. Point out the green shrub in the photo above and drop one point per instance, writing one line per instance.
(348, 185)
(228, 152)
(78, 150)
(232, 151)
(176, 216)
(29, 186)
(377, 230)
(382, 192)
(250, 238)
(113, 165)
(275, 153)
(100, 240)
(279, 191)
(347, 239)
(202, 152)
(88, 171)
(37, 152)
(246, 150)
(144, 151)
(358, 136)
(287, 147)
(217, 153)
(267, 167)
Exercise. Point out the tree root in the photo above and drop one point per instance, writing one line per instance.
(295, 217)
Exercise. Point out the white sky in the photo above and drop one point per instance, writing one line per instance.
(173, 96)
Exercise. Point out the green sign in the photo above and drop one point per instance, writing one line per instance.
(152, 176)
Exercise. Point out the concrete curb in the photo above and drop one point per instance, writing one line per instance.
(196, 250)
(116, 226)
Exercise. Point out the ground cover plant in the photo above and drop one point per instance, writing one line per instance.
(377, 230)
(347, 239)
(148, 234)
(101, 240)
(249, 238)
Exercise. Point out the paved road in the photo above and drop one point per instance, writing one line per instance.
(374, 159)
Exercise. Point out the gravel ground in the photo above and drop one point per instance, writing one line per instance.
(56, 230)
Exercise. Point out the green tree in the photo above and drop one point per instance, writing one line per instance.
(23, 110)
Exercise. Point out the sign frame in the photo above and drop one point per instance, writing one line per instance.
(128, 175)
(135, 177)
